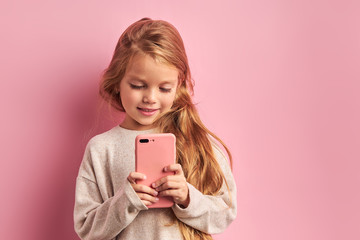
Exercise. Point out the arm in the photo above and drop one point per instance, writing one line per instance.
(97, 214)
(211, 214)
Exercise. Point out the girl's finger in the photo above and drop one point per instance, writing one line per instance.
(133, 176)
(175, 193)
(178, 197)
(169, 178)
(147, 203)
(174, 168)
(139, 188)
(170, 185)
(161, 181)
(147, 197)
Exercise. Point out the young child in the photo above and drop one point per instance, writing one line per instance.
(149, 79)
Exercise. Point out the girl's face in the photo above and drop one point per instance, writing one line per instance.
(147, 89)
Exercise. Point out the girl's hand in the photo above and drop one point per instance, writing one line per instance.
(145, 193)
(174, 186)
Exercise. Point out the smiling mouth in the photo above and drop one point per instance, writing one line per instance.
(147, 111)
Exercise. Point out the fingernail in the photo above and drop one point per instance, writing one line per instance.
(165, 169)
(153, 185)
(156, 199)
(156, 193)
(144, 177)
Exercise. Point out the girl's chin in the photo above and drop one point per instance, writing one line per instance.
(138, 123)
(144, 125)
(147, 125)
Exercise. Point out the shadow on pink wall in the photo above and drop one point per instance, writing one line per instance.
(51, 210)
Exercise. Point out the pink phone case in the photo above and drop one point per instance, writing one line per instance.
(153, 152)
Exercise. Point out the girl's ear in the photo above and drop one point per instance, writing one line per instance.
(117, 90)
(181, 81)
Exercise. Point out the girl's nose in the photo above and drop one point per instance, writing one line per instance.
(149, 96)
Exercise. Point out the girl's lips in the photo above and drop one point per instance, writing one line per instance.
(147, 111)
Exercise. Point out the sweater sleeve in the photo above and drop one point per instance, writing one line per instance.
(98, 215)
(211, 214)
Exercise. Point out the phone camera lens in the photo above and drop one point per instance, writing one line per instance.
(144, 140)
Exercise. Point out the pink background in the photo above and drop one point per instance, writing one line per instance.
(278, 81)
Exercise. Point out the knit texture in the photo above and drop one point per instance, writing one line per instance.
(107, 207)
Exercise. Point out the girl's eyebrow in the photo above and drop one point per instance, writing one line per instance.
(136, 78)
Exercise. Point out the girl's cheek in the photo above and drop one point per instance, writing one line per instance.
(168, 104)
(171, 99)
(134, 96)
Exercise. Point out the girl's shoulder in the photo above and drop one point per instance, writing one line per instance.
(115, 137)
(219, 152)
(104, 138)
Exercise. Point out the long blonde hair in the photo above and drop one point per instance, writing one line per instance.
(160, 40)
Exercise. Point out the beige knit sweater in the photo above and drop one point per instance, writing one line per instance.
(107, 207)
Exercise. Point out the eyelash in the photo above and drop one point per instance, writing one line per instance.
(136, 86)
(140, 87)
(165, 89)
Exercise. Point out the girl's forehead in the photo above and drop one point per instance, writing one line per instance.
(144, 67)
(146, 58)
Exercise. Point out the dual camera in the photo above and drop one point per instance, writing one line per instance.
(146, 140)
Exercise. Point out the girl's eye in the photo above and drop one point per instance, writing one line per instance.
(136, 86)
(165, 89)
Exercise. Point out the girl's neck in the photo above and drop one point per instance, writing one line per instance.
(137, 130)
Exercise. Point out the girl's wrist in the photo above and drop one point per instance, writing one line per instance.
(186, 203)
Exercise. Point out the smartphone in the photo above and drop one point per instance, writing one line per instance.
(153, 152)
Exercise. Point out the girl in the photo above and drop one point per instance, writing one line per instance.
(149, 79)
